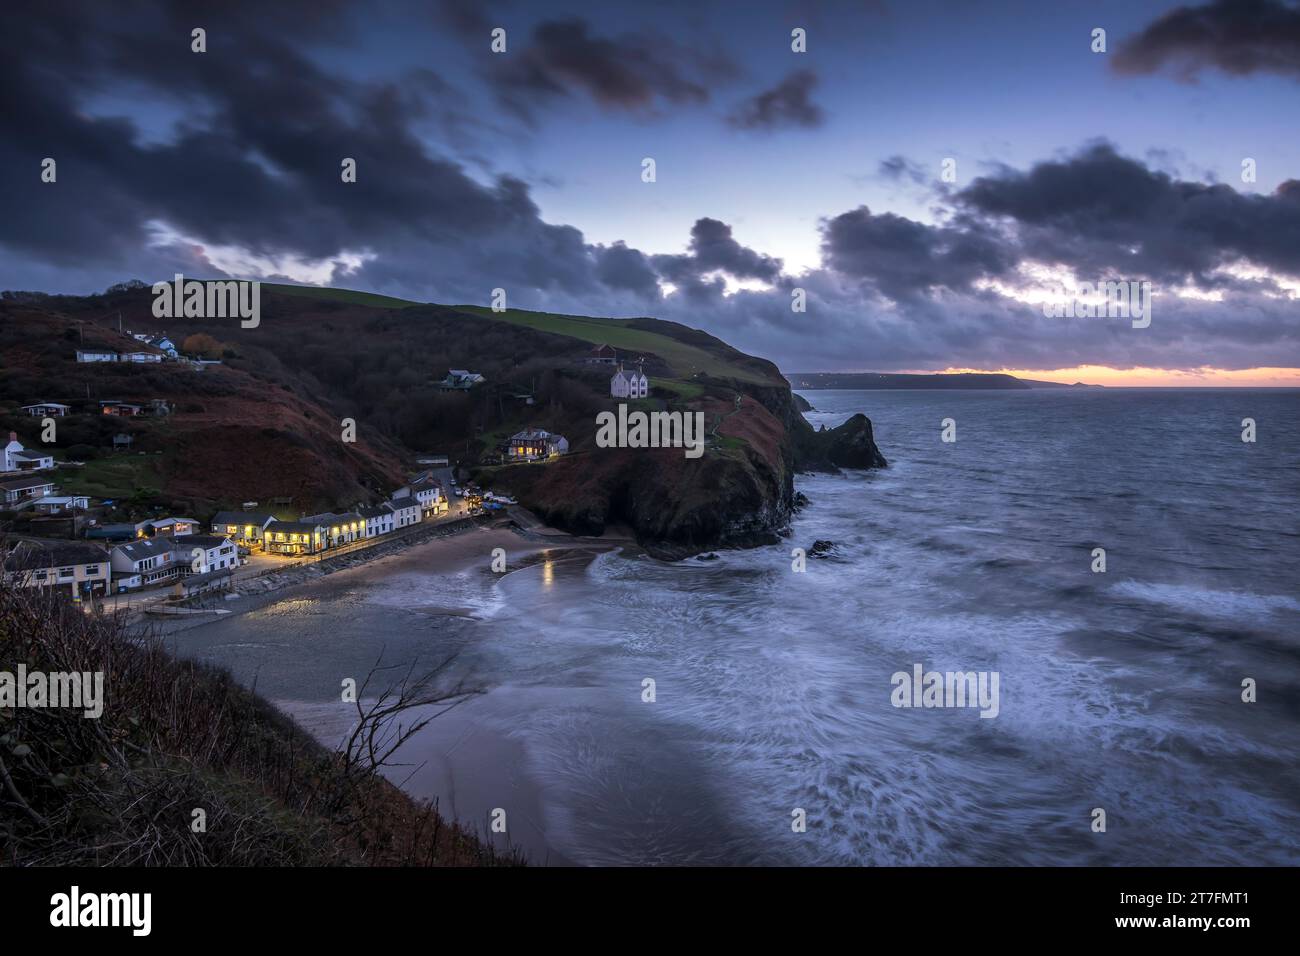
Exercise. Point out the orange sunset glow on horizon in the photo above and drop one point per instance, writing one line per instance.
(1264, 377)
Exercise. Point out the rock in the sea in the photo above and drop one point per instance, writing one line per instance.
(852, 445)
(821, 549)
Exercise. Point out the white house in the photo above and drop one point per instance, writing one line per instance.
(427, 492)
(16, 458)
(201, 553)
(161, 559)
(140, 357)
(379, 520)
(406, 511)
(34, 460)
(13, 448)
(47, 410)
(148, 561)
(431, 496)
(96, 355)
(157, 341)
(629, 384)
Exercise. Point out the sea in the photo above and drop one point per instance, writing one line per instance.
(1124, 564)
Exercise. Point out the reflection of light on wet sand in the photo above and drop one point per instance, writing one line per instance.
(291, 606)
(548, 573)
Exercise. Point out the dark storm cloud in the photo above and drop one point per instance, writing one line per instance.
(245, 147)
(713, 250)
(1099, 210)
(255, 162)
(1235, 36)
(788, 104)
(636, 72)
(622, 268)
(905, 258)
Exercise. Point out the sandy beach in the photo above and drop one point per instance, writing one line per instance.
(468, 763)
(448, 553)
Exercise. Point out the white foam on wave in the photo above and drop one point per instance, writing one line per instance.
(1229, 605)
(783, 681)
(469, 588)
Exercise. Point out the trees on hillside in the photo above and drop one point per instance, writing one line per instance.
(202, 345)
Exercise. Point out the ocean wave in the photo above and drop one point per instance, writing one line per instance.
(1207, 602)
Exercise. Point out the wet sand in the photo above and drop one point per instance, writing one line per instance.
(468, 769)
(468, 764)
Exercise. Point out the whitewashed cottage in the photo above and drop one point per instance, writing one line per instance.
(629, 384)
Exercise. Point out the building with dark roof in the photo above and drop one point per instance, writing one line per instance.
(206, 552)
(83, 569)
(406, 511)
(13, 490)
(244, 527)
(379, 520)
(145, 561)
(306, 536)
(602, 355)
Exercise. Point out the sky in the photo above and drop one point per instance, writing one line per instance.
(902, 194)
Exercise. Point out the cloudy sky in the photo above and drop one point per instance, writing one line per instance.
(775, 170)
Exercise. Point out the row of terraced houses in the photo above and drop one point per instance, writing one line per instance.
(177, 552)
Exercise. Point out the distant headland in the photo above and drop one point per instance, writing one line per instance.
(863, 380)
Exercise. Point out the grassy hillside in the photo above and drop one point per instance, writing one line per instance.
(349, 296)
(268, 424)
(177, 737)
(237, 431)
(669, 341)
(687, 360)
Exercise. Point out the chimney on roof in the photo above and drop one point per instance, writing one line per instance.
(13, 436)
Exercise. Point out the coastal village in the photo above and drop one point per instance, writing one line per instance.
(179, 557)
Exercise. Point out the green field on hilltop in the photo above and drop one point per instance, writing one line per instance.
(687, 360)
(343, 295)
